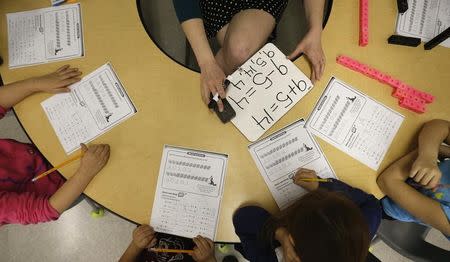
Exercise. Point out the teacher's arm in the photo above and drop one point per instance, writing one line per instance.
(311, 44)
(212, 75)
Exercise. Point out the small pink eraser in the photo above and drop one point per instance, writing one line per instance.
(413, 105)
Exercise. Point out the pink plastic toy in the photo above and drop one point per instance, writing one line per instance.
(408, 96)
(363, 22)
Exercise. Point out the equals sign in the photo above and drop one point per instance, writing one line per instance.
(274, 107)
(248, 91)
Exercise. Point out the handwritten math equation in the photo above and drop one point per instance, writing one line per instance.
(263, 89)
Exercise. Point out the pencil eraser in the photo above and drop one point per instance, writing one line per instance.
(404, 40)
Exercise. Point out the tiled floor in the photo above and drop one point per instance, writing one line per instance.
(78, 237)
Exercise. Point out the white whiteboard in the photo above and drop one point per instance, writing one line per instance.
(263, 89)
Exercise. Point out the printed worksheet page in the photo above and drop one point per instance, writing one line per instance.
(45, 35)
(354, 123)
(95, 105)
(280, 155)
(263, 89)
(189, 192)
(425, 19)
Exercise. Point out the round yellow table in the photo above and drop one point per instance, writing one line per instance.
(170, 110)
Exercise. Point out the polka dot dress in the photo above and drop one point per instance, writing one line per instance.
(218, 13)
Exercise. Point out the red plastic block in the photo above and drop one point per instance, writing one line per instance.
(429, 98)
(413, 105)
(385, 79)
(399, 93)
(363, 22)
(402, 90)
(379, 75)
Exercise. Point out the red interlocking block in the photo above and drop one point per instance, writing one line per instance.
(408, 96)
(417, 105)
(363, 22)
(399, 93)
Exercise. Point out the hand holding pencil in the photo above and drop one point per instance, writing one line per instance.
(93, 159)
(308, 179)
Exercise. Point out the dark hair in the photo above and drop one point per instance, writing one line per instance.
(325, 226)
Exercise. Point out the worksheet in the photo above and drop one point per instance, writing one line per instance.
(280, 155)
(45, 35)
(263, 89)
(425, 19)
(95, 105)
(354, 123)
(189, 192)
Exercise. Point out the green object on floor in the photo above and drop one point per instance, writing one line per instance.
(98, 213)
(224, 248)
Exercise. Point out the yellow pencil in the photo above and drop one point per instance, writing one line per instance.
(164, 250)
(315, 180)
(68, 161)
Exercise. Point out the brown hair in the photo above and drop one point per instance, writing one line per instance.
(325, 226)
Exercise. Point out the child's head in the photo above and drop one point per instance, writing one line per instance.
(326, 226)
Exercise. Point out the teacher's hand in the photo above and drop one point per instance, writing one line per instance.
(311, 46)
(211, 82)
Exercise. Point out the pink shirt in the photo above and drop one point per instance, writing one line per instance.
(23, 201)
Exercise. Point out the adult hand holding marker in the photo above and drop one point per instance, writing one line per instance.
(212, 80)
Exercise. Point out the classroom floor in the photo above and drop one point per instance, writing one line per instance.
(76, 236)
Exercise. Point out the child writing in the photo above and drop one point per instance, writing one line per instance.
(332, 222)
(21, 200)
(416, 185)
(144, 237)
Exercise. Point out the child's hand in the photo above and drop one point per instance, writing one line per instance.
(283, 236)
(425, 172)
(94, 159)
(203, 250)
(56, 82)
(306, 173)
(144, 237)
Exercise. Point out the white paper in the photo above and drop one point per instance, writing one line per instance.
(281, 154)
(354, 123)
(189, 192)
(95, 105)
(263, 89)
(425, 19)
(45, 35)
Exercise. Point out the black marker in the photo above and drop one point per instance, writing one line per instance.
(437, 39)
(403, 40)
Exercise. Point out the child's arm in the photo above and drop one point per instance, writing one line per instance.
(55, 82)
(30, 208)
(143, 237)
(392, 183)
(424, 170)
(94, 159)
